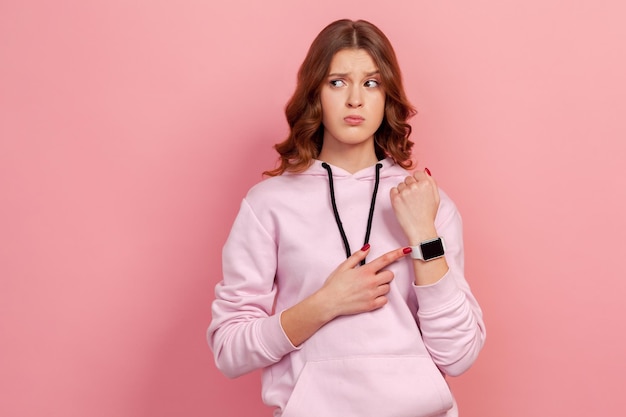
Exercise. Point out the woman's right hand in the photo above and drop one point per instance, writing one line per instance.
(354, 289)
(350, 289)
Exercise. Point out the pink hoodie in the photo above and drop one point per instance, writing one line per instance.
(386, 363)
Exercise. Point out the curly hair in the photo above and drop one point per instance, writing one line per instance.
(304, 109)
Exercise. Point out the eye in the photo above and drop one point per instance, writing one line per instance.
(372, 83)
(337, 83)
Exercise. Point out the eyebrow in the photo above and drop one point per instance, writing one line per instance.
(345, 74)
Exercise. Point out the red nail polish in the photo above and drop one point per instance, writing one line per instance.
(428, 172)
(365, 247)
(407, 250)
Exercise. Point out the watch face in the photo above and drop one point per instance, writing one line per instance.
(432, 249)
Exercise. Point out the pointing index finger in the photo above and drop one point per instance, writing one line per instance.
(388, 258)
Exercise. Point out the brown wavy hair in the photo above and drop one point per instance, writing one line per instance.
(304, 109)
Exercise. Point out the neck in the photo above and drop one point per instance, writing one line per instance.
(351, 160)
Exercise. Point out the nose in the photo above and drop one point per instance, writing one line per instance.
(355, 99)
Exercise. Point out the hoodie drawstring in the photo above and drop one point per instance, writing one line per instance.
(346, 245)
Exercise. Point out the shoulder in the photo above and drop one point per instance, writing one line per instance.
(274, 194)
(266, 185)
(270, 188)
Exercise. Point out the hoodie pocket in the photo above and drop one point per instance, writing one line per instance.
(394, 386)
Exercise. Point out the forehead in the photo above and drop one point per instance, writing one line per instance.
(348, 61)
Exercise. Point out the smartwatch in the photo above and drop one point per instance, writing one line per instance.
(429, 249)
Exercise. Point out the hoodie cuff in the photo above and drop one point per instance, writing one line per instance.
(275, 340)
(437, 296)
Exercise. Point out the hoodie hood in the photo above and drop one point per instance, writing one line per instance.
(389, 169)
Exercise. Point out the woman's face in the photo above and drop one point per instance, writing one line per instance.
(353, 101)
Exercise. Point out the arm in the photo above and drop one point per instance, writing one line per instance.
(449, 316)
(245, 334)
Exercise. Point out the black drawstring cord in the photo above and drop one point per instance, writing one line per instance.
(331, 186)
(346, 245)
(372, 204)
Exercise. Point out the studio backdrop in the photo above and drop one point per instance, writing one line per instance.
(130, 132)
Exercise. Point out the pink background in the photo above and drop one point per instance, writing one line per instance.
(130, 131)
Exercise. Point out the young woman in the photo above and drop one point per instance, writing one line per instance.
(341, 332)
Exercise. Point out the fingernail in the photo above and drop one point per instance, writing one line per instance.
(407, 250)
(428, 172)
(365, 247)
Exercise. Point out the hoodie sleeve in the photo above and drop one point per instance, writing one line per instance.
(244, 333)
(448, 314)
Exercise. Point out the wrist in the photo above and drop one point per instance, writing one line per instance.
(421, 235)
(429, 249)
(325, 310)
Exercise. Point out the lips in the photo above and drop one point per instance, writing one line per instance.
(353, 120)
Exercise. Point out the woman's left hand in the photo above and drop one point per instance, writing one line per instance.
(415, 202)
